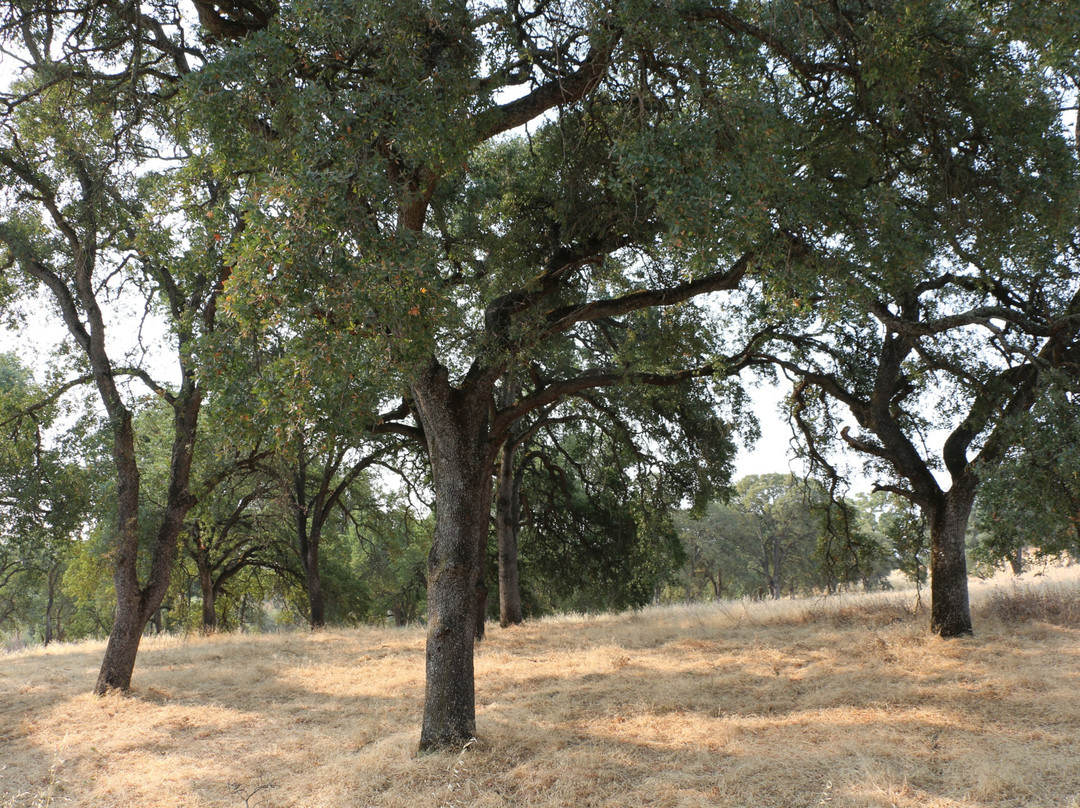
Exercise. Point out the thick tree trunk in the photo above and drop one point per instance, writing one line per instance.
(119, 662)
(950, 612)
(314, 585)
(455, 428)
(507, 519)
(131, 615)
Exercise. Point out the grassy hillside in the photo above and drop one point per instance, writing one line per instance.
(799, 703)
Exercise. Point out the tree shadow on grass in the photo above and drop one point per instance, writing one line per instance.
(335, 720)
(202, 722)
(847, 730)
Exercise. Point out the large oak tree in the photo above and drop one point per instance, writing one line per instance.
(443, 194)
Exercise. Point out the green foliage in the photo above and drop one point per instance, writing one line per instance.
(1033, 499)
(88, 582)
(389, 556)
(777, 535)
(597, 531)
(902, 528)
(849, 553)
(340, 172)
(43, 506)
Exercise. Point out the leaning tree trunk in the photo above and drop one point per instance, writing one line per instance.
(123, 646)
(455, 428)
(131, 614)
(950, 611)
(507, 519)
(135, 604)
(1016, 561)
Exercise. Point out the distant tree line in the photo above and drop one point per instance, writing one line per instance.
(591, 536)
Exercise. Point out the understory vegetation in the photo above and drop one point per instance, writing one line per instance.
(775, 536)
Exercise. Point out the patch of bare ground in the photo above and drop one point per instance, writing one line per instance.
(838, 702)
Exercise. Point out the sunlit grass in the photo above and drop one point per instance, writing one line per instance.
(841, 701)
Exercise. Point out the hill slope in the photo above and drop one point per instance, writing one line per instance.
(800, 703)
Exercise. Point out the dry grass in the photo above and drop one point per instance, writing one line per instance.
(802, 703)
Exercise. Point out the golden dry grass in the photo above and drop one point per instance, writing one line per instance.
(802, 703)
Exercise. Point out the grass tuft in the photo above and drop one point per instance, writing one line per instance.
(1058, 605)
(845, 701)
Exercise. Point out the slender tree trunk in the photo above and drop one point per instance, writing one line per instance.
(135, 603)
(209, 601)
(507, 519)
(455, 428)
(1016, 561)
(308, 534)
(481, 592)
(314, 585)
(224, 622)
(773, 564)
(56, 574)
(49, 607)
(201, 555)
(950, 611)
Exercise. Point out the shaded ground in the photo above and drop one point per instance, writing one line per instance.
(795, 704)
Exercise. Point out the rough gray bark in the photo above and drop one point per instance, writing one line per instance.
(135, 602)
(455, 429)
(950, 612)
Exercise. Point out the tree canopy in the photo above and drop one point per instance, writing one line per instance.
(450, 218)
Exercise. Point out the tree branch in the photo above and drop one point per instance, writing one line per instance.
(568, 316)
(558, 91)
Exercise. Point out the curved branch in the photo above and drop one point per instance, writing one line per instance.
(588, 381)
(558, 91)
(977, 316)
(568, 316)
